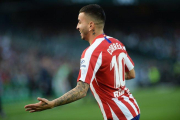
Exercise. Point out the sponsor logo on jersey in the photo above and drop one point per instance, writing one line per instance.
(83, 63)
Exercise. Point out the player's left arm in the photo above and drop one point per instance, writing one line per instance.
(129, 68)
(130, 75)
(77, 93)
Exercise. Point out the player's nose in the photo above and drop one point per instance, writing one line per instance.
(77, 27)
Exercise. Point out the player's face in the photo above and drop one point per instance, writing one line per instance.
(82, 26)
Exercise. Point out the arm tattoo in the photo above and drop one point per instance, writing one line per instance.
(77, 93)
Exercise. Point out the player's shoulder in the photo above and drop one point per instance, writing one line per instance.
(115, 40)
(93, 49)
(95, 45)
(101, 44)
(84, 52)
(115, 45)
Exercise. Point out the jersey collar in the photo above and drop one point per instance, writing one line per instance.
(99, 36)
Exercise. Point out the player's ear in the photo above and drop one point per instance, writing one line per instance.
(91, 25)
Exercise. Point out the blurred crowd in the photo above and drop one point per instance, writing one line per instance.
(36, 62)
(157, 49)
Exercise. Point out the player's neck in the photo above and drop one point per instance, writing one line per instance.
(94, 35)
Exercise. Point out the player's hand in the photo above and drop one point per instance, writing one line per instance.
(43, 104)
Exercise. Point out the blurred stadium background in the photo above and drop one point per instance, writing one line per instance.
(40, 51)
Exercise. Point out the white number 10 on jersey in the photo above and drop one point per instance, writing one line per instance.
(118, 64)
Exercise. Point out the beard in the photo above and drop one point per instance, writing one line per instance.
(84, 34)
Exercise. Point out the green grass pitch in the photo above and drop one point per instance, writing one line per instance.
(155, 104)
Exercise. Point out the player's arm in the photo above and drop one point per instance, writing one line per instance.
(129, 68)
(130, 75)
(78, 92)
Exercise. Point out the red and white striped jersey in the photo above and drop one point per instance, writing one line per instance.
(103, 65)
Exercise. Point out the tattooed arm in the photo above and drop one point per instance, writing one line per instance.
(77, 93)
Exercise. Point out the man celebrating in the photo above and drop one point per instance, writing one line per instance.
(104, 67)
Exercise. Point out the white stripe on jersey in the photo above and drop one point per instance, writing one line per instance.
(124, 47)
(132, 105)
(87, 57)
(98, 100)
(123, 108)
(128, 63)
(113, 114)
(108, 37)
(96, 81)
(131, 96)
(98, 64)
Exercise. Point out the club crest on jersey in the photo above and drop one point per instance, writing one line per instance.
(83, 63)
(115, 46)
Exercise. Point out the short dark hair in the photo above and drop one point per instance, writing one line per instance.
(94, 11)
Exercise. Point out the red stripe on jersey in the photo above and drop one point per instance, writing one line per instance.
(130, 59)
(98, 98)
(134, 103)
(99, 36)
(132, 100)
(130, 108)
(90, 70)
(79, 76)
(107, 111)
(84, 53)
(92, 63)
(117, 110)
(123, 69)
(126, 69)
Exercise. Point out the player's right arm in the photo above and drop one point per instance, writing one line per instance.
(130, 75)
(77, 93)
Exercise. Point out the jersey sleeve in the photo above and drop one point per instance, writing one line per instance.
(89, 65)
(129, 64)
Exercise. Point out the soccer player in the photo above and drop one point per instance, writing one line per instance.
(104, 67)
